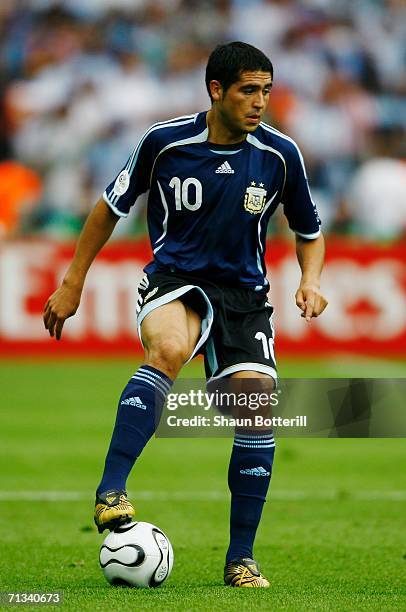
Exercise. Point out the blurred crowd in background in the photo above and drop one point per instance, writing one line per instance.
(80, 81)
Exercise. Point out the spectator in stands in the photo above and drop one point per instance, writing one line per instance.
(74, 72)
(376, 202)
(20, 189)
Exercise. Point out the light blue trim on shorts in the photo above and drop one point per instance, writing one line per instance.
(247, 366)
(211, 356)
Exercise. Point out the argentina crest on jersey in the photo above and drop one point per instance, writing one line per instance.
(255, 198)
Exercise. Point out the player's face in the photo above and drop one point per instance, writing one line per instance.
(242, 105)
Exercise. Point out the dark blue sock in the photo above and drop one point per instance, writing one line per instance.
(139, 411)
(249, 475)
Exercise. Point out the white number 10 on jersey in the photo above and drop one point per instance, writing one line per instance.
(182, 192)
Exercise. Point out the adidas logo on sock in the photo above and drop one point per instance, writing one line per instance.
(225, 169)
(258, 471)
(134, 401)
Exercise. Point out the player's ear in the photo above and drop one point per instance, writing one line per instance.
(216, 90)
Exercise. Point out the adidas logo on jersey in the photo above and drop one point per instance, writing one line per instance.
(258, 471)
(134, 401)
(225, 169)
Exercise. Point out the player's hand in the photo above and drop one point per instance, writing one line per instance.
(310, 301)
(62, 304)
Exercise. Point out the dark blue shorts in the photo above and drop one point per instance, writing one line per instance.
(236, 331)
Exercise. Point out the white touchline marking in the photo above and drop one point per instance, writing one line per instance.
(278, 495)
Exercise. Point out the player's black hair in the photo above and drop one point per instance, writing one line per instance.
(227, 61)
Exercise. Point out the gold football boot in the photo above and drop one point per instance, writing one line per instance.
(244, 573)
(112, 509)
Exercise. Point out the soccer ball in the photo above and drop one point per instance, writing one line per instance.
(136, 555)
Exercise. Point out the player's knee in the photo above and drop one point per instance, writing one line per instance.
(255, 380)
(168, 354)
(259, 395)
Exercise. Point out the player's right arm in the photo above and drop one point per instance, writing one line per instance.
(122, 193)
(64, 302)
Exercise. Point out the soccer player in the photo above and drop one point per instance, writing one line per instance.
(214, 179)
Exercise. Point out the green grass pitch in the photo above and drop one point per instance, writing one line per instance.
(333, 530)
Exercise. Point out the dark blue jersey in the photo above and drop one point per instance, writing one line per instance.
(208, 204)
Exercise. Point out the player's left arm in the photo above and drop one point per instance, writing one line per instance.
(310, 255)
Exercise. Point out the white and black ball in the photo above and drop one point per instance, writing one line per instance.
(136, 555)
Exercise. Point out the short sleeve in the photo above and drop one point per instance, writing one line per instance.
(133, 179)
(299, 208)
